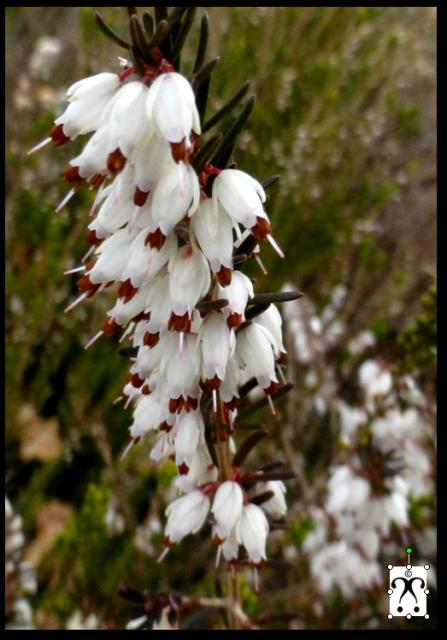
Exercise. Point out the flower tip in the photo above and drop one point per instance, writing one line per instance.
(275, 246)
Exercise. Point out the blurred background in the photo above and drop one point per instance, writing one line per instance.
(346, 114)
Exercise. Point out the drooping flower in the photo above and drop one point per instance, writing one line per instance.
(185, 515)
(172, 104)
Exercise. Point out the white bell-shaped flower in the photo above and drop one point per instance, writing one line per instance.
(227, 506)
(229, 388)
(275, 507)
(190, 428)
(254, 348)
(148, 415)
(254, 529)
(271, 321)
(88, 99)
(177, 193)
(181, 371)
(144, 263)
(189, 279)
(118, 205)
(230, 546)
(164, 447)
(237, 294)
(201, 470)
(93, 159)
(186, 515)
(241, 196)
(112, 258)
(151, 161)
(215, 337)
(128, 123)
(123, 311)
(171, 103)
(214, 234)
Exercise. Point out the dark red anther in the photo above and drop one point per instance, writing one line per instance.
(91, 238)
(273, 388)
(140, 197)
(156, 240)
(261, 229)
(58, 136)
(116, 161)
(151, 339)
(224, 276)
(110, 326)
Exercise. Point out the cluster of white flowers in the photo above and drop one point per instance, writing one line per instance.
(20, 580)
(167, 241)
(368, 497)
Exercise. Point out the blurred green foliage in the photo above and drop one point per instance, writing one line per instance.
(418, 342)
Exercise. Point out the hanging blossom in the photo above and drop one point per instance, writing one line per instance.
(174, 222)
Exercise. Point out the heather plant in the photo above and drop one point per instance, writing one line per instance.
(175, 222)
(345, 113)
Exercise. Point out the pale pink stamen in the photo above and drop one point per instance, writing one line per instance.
(131, 396)
(69, 195)
(146, 271)
(118, 189)
(284, 381)
(97, 197)
(180, 181)
(123, 337)
(90, 251)
(39, 146)
(126, 450)
(89, 344)
(133, 219)
(275, 246)
(73, 304)
(231, 342)
(259, 261)
(163, 555)
(230, 418)
(67, 273)
(118, 399)
(271, 405)
(180, 345)
(256, 580)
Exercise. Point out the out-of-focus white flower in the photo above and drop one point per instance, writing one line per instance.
(276, 506)
(186, 515)
(340, 565)
(346, 491)
(374, 380)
